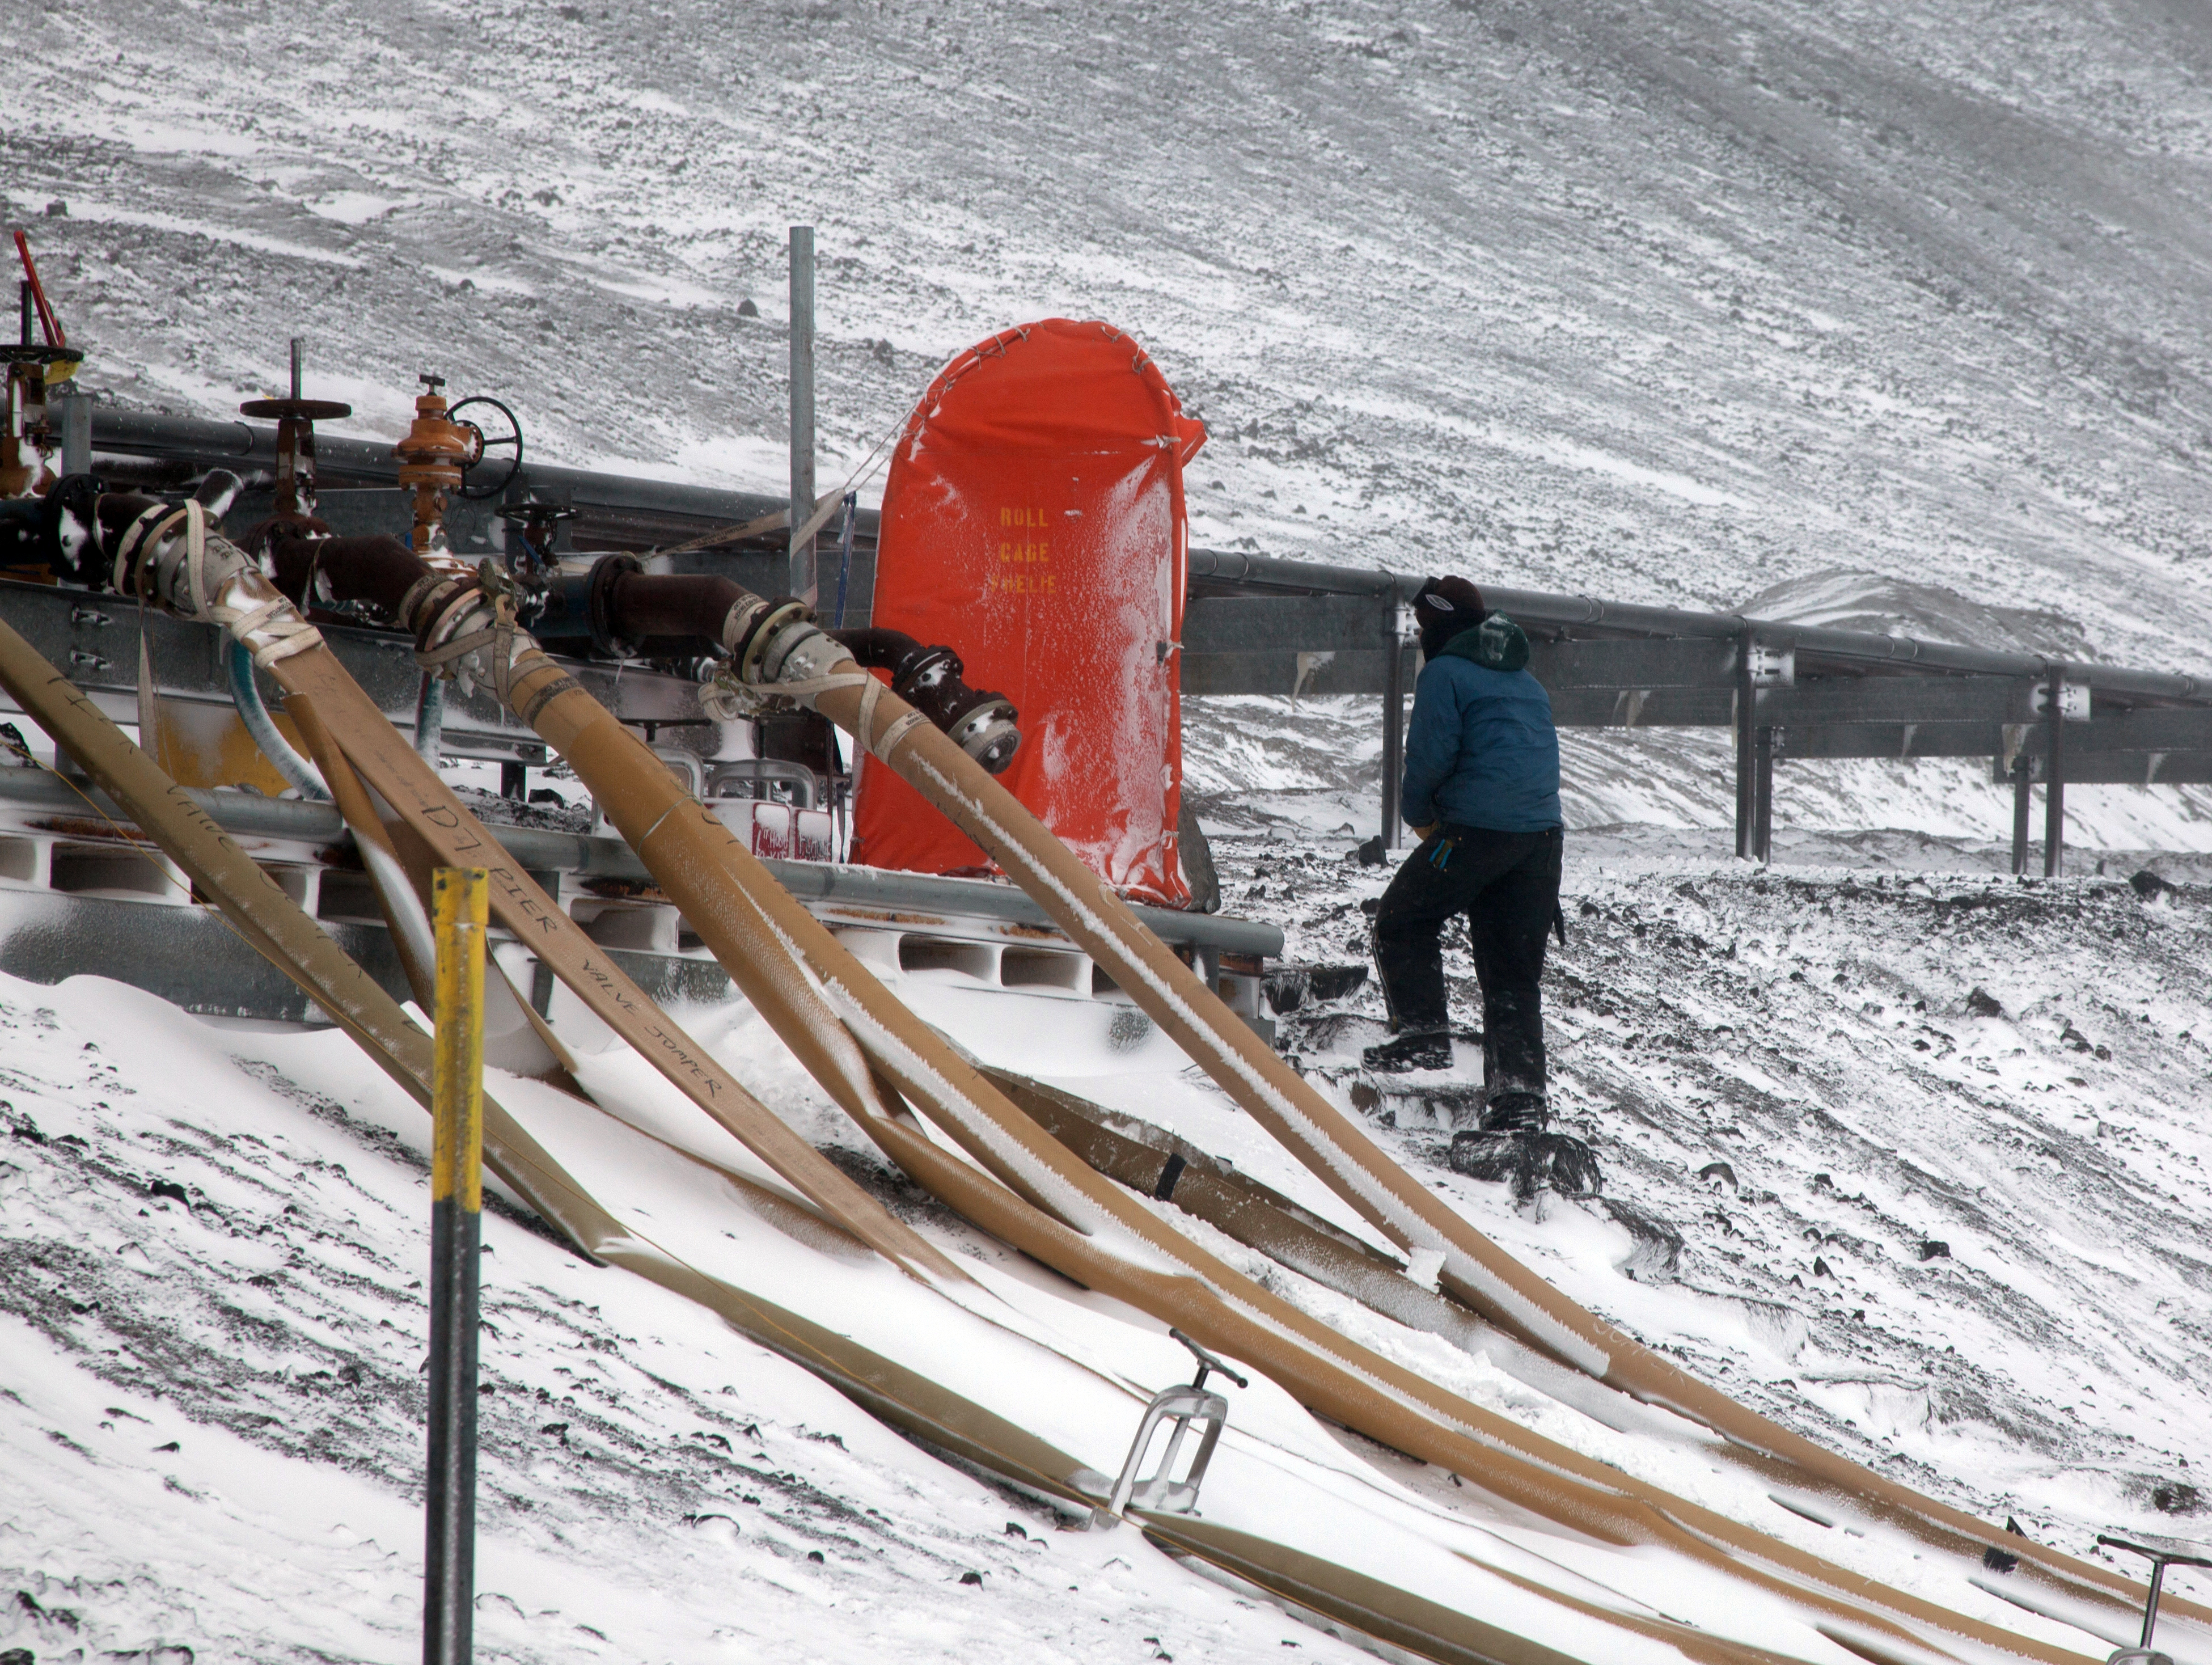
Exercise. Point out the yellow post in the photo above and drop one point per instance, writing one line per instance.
(460, 901)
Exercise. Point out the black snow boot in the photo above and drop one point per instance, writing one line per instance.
(1425, 1049)
(1515, 1113)
(1512, 1145)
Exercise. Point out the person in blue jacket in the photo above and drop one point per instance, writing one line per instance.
(1482, 791)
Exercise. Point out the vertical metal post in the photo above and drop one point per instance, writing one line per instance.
(1746, 762)
(1393, 720)
(430, 718)
(295, 367)
(2054, 784)
(802, 411)
(2023, 790)
(2150, 1606)
(76, 432)
(1762, 831)
(459, 900)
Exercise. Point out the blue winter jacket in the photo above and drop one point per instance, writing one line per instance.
(1481, 751)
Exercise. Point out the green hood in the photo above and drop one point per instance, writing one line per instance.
(1496, 644)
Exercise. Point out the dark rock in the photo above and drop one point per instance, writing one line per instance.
(169, 1187)
(1014, 1529)
(1334, 983)
(975, 1578)
(2147, 884)
(1998, 1560)
(2176, 1498)
(746, 309)
(1934, 1249)
(17, 1656)
(816, 1557)
(1720, 1170)
(1983, 1004)
(1372, 854)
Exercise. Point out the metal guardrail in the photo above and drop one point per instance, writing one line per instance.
(1789, 692)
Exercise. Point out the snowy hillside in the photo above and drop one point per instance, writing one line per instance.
(1671, 303)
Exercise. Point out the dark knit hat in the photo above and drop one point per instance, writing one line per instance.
(1443, 608)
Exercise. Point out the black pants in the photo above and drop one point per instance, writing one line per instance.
(1507, 883)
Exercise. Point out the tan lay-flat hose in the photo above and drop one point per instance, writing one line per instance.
(1341, 1154)
(296, 656)
(296, 944)
(804, 981)
(391, 766)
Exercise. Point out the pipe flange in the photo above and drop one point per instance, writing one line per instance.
(804, 655)
(598, 603)
(763, 635)
(920, 673)
(988, 732)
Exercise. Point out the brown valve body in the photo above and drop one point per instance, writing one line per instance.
(432, 454)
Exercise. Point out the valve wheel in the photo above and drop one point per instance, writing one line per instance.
(510, 440)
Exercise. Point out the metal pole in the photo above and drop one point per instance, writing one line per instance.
(76, 432)
(1747, 763)
(1393, 722)
(1762, 831)
(2150, 1606)
(2054, 785)
(802, 411)
(2023, 790)
(459, 901)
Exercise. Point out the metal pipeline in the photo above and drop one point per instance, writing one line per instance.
(1172, 1279)
(170, 558)
(1852, 649)
(784, 648)
(621, 611)
(297, 946)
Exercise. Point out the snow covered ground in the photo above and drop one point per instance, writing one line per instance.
(211, 1338)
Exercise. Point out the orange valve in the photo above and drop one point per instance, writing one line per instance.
(433, 454)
